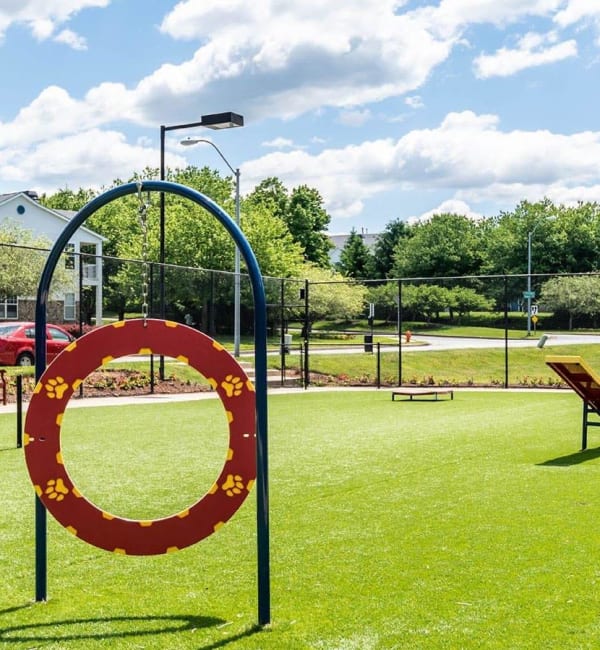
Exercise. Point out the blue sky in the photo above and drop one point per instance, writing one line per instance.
(390, 109)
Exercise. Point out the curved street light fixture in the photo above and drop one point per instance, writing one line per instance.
(236, 287)
(215, 121)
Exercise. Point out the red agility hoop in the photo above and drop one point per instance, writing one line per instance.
(48, 404)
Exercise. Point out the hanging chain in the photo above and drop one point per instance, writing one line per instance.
(143, 216)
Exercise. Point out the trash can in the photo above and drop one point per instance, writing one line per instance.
(287, 343)
(368, 343)
(542, 341)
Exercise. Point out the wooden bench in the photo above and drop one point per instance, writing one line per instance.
(422, 392)
(585, 382)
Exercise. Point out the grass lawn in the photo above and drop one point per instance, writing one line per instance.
(526, 366)
(471, 523)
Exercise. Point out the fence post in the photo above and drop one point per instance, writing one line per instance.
(378, 364)
(19, 399)
(400, 314)
(505, 331)
(306, 335)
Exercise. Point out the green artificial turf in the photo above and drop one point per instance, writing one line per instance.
(472, 523)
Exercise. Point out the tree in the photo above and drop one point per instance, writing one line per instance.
(426, 299)
(385, 298)
(574, 295)
(331, 296)
(271, 194)
(447, 245)
(67, 199)
(307, 220)
(22, 259)
(506, 239)
(466, 299)
(356, 260)
(392, 237)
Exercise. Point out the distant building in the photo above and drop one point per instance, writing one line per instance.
(25, 209)
(339, 241)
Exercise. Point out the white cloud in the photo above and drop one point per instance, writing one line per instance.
(467, 155)
(40, 16)
(577, 10)
(414, 101)
(354, 118)
(450, 206)
(79, 160)
(532, 50)
(71, 39)
(279, 143)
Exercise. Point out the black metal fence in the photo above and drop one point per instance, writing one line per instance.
(374, 325)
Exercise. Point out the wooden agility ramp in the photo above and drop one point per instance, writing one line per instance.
(585, 382)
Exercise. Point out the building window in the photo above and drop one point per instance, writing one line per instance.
(70, 256)
(8, 308)
(69, 306)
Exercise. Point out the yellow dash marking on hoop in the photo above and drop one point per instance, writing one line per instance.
(171, 323)
(145, 351)
(38, 387)
(172, 549)
(71, 346)
(146, 524)
(119, 323)
(76, 384)
(107, 515)
(183, 513)
(26, 439)
(213, 382)
(229, 453)
(38, 490)
(59, 458)
(250, 485)
(218, 346)
(120, 551)
(213, 488)
(107, 359)
(250, 386)
(77, 493)
(72, 530)
(229, 415)
(183, 359)
(59, 419)
(218, 525)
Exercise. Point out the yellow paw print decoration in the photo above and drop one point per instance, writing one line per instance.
(56, 489)
(232, 386)
(55, 388)
(233, 485)
(67, 503)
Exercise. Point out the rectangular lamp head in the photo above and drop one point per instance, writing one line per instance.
(222, 120)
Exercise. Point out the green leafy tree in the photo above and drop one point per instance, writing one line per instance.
(466, 299)
(67, 199)
(506, 239)
(356, 260)
(428, 300)
(270, 194)
(22, 259)
(303, 213)
(307, 220)
(393, 236)
(447, 245)
(330, 296)
(385, 298)
(573, 295)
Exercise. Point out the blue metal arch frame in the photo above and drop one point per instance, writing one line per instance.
(260, 343)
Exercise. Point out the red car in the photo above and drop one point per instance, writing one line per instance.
(17, 343)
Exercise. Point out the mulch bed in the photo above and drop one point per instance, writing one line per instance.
(113, 383)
